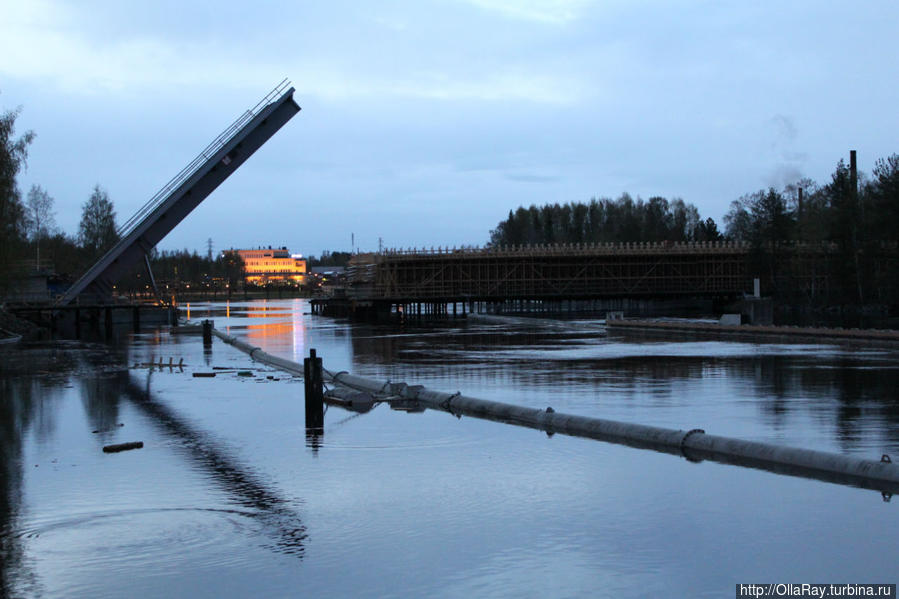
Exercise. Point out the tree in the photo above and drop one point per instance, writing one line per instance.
(40, 221)
(579, 215)
(13, 155)
(233, 268)
(97, 231)
(706, 230)
(844, 214)
(884, 194)
(771, 220)
(656, 219)
(684, 219)
(737, 222)
(842, 201)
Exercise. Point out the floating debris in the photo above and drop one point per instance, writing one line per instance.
(115, 448)
(207, 375)
(160, 364)
(244, 373)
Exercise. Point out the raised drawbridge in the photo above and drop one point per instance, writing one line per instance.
(171, 204)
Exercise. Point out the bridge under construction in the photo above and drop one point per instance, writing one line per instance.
(535, 278)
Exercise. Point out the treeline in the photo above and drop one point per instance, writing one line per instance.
(329, 259)
(851, 209)
(819, 244)
(29, 237)
(853, 221)
(180, 271)
(605, 220)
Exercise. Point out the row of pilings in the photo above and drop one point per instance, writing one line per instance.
(400, 310)
(95, 322)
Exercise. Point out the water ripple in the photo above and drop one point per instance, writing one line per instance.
(147, 537)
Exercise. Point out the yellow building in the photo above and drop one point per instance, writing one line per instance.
(272, 265)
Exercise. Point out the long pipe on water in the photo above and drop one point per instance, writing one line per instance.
(694, 444)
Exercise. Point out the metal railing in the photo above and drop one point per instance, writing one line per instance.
(188, 171)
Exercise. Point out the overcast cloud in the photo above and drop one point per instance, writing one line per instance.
(424, 123)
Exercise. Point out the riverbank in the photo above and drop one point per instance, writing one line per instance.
(11, 326)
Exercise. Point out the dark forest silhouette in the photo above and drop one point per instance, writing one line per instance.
(821, 244)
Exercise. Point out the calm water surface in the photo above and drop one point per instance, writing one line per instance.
(228, 497)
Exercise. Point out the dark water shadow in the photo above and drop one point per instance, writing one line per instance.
(245, 486)
(28, 374)
(16, 415)
(28, 410)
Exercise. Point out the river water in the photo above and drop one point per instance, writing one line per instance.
(229, 498)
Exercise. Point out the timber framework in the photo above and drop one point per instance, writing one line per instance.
(569, 271)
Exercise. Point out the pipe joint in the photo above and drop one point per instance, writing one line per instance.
(683, 442)
(446, 404)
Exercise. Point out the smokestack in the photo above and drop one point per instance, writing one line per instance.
(853, 174)
(800, 204)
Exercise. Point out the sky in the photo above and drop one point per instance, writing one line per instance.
(424, 122)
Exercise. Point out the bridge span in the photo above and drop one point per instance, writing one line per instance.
(171, 204)
(395, 280)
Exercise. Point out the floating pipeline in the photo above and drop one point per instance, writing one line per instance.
(259, 355)
(694, 444)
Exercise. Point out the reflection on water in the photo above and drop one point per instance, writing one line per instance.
(231, 497)
(34, 383)
(16, 415)
(243, 484)
(30, 383)
(843, 398)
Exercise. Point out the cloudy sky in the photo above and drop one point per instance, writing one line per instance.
(425, 122)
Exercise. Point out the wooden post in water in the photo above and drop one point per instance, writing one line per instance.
(315, 406)
(207, 333)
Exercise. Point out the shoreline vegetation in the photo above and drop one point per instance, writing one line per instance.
(812, 245)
